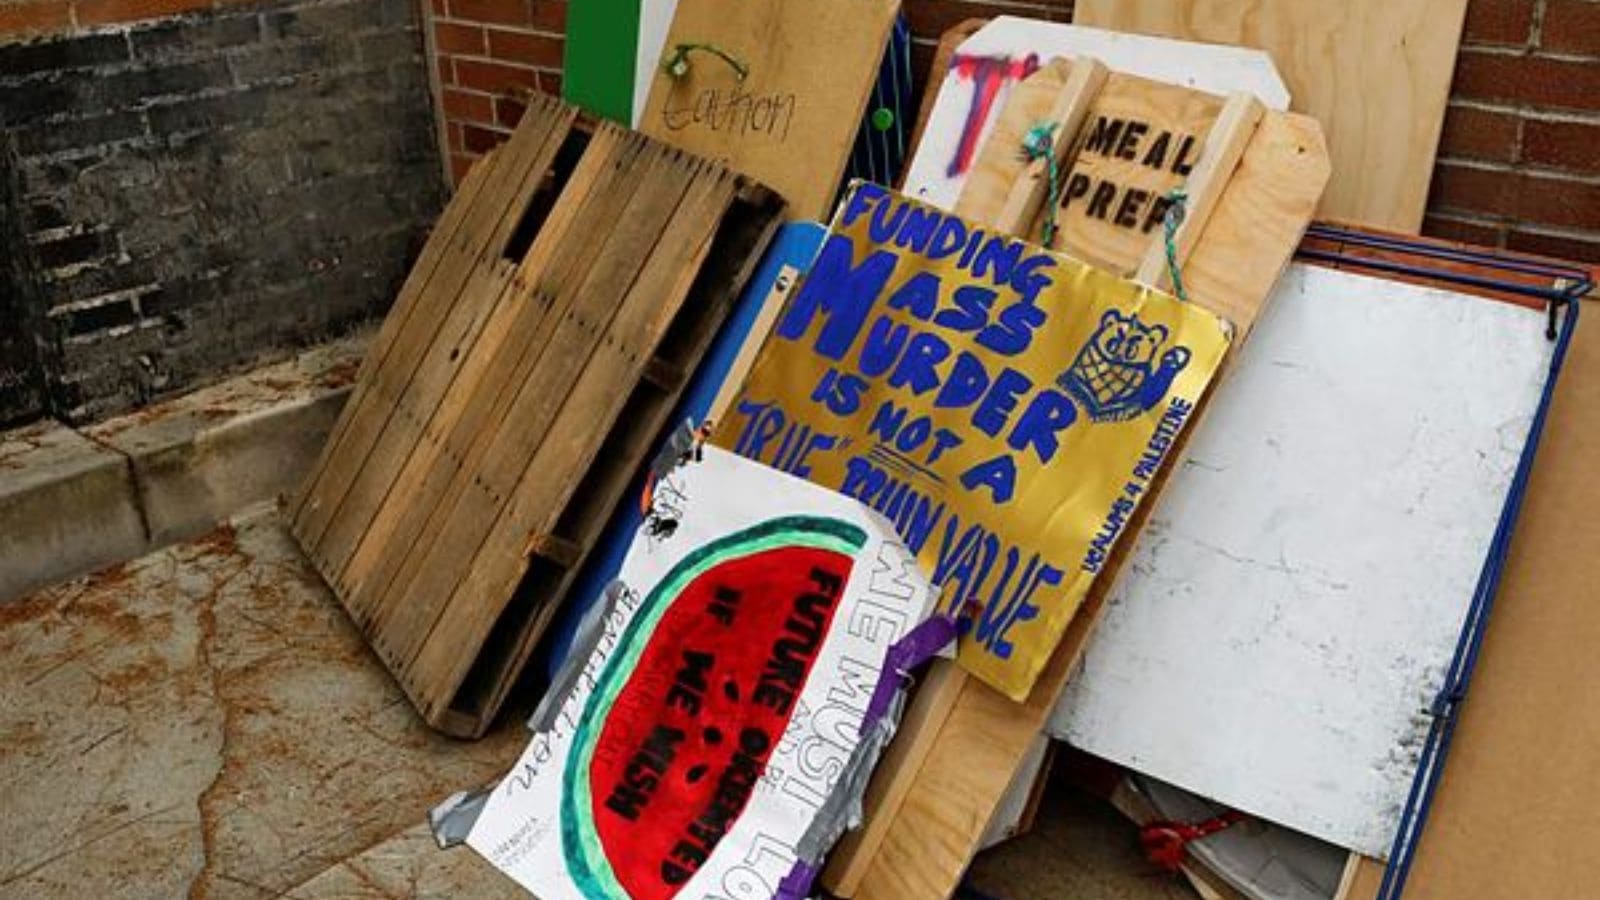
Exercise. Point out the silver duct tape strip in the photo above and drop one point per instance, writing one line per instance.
(584, 640)
(452, 820)
(843, 810)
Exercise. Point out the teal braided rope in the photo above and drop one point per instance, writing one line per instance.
(1177, 201)
(677, 65)
(1036, 145)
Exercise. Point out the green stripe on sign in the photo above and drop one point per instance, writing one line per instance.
(602, 42)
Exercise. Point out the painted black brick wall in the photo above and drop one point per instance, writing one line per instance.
(21, 378)
(203, 194)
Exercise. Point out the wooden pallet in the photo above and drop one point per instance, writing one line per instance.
(519, 382)
(1252, 188)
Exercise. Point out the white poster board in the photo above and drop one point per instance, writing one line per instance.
(725, 708)
(1288, 612)
(1008, 49)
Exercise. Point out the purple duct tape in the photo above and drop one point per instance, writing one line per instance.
(797, 884)
(919, 645)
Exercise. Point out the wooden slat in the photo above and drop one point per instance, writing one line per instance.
(1223, 149)
(478, 401)
(1066, 94)
(394, 377)
(649, 195)
(999, 166)
(1361, 878)
(1068, 113)
(921, 725)
(544, 285)
(592, 199)
(579, 426)
(423, 416)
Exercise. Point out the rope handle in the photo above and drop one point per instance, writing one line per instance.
(1177, 208)
(1036, 146)
(676, 65)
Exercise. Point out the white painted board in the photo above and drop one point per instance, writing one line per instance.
(933, 176)
(1290, 608)
(655, 21)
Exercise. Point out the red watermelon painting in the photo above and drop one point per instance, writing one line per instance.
(692, 704)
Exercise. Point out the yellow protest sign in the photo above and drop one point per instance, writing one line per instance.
(1004, 406)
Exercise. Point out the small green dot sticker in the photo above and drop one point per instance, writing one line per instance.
(883, 118)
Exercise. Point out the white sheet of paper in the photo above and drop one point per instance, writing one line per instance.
(1288, 612)
(1206, 67)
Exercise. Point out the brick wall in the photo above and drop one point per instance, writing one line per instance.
(200, 193)
(487, 53)
(1519, 160)
(1519, 164)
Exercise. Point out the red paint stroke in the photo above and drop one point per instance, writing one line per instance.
(692, 728)
(988, 74)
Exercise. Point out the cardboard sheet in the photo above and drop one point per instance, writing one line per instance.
(1515, 814)
(1292, 603)
(791, 120)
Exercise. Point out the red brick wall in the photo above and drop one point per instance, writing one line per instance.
(1519, 163)
(488, 53)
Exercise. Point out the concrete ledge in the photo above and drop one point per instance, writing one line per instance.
(72, 502)
(67, 506)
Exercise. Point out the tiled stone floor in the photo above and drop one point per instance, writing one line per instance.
(203, 722)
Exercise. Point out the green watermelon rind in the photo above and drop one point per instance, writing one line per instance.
(587, 864)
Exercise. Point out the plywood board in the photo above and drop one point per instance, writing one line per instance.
(1515, 809)
(988, 65)
(963, 744)
(792, 120)
(1294, 602)
(1375, 73)
(519, 383)
(1257, 219)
